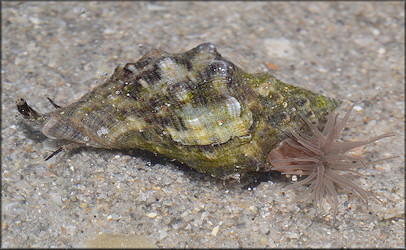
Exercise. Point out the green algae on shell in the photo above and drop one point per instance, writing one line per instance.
(196, 107)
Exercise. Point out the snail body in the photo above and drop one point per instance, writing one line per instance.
(195, 107)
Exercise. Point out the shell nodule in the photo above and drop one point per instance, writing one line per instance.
(195, 107)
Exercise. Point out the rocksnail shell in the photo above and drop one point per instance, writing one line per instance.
(195, 107)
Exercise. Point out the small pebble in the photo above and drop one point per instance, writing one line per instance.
(215, 230)
(357, 108)
(381, 51)
(151, 215)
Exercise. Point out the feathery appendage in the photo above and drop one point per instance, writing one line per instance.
(320, 157)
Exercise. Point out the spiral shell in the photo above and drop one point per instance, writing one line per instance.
(195, 107)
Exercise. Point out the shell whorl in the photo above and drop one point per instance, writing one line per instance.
(196, 107)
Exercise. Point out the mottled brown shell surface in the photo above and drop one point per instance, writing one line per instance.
(195, 107)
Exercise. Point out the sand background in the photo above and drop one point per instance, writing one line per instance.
(349, 51)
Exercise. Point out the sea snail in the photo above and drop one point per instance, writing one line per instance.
(202, 110)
